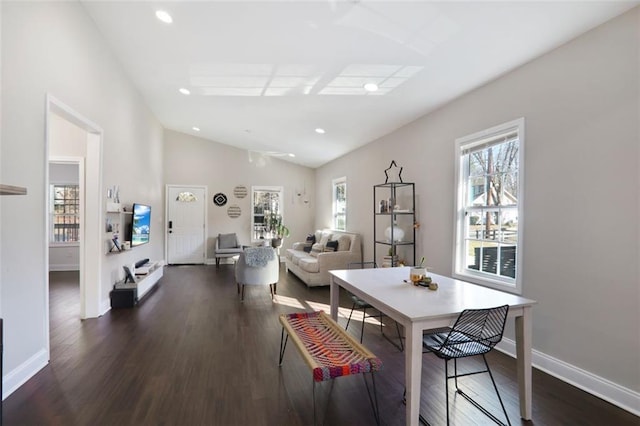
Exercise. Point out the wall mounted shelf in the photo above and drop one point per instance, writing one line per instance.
(12, 190)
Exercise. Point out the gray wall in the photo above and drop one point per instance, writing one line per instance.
(55, 48)
(581, 201)
(190, 160)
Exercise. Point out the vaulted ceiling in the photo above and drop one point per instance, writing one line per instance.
(263, 76)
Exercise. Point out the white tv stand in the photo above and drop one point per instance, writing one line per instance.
(145, 282)
(127, 295)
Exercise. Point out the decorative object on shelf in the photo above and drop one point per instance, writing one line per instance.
(186, 197)
(396, 233)
(128, 276)
(234, 211)
(116, 243)
(240, 191)
(393, 165)
(116, 194)
(219, 199)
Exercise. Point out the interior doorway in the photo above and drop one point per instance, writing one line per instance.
(73, 139)
(65, 175)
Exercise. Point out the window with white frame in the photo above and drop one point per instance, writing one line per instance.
(65, 213)
(340, 204)
(266, 209)
(490, 170)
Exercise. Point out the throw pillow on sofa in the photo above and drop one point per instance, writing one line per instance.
(310, 241)
(316, 249)
(331, 246)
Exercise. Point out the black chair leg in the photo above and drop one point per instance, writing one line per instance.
(283, 345)
(350, 313)
(399, 337)
(373, 399)
(496, 388)
(446, 385)
(471, 400)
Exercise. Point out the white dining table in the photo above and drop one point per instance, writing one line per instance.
(418, 309)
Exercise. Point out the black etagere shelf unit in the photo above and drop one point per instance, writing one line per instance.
(394, 231)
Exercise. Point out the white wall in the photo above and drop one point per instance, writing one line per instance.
(190, 160)
(55, 48)
(581, 236)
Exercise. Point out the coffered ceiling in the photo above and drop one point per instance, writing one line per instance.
(263, 76)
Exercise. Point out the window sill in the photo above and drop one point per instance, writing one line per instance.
(73, 244)
(497, 284)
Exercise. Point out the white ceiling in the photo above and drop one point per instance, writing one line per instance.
(264, 75)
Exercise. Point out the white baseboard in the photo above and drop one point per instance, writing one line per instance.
(105, 306)
(210, 261)
(64, 267)
(19, 375)
(620, 396)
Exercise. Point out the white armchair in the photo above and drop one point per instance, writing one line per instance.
(258, 266)
(227, 245)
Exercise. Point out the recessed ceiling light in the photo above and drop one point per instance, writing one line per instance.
(370, 87)
(319, 130)
(197, 129)
(291, 154)
(164, 16)
(184, 91)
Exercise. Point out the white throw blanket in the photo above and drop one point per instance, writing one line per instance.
(258, 256)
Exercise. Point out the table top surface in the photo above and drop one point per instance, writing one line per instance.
(386, 287)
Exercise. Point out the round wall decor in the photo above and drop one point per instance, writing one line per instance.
(219, 199)
(234, 211)
(240, 191)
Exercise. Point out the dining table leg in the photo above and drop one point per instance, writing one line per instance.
(413, 372)
(334, 297)
(523, 360)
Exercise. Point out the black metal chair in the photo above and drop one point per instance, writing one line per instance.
(361, 304)
(475, 332)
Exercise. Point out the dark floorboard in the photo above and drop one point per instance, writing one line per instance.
(192, 354)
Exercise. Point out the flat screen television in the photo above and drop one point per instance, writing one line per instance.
(141, 224)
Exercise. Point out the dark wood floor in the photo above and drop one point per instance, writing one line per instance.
(192, 354)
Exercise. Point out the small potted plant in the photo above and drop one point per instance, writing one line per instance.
(277, 229)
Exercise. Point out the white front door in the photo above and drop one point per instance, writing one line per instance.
(186, 213)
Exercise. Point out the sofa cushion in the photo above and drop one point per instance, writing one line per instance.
(331, 246)
(311, 239)
(226, 241)
(344, 242)
(309, 264)
(297, 255)
(316, 249)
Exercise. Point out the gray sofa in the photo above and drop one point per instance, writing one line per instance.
(313, 267)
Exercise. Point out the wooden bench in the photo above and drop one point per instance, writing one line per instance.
(329, 351)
